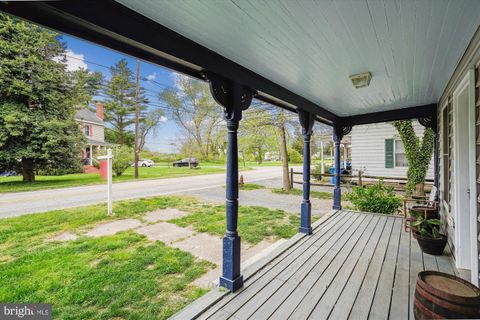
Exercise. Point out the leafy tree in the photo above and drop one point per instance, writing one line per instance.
(193, 108)
(120, 102)
(112, 136)
(37, 126)
(418, 153)
(255, 136)
(273, 117)
(122, 159)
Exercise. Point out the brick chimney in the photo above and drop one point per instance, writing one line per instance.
(100, 110)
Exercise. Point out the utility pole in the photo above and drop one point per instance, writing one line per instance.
(137, 116)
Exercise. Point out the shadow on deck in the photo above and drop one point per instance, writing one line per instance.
(354, 266)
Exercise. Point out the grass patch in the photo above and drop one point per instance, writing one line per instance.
(251, 186)
(298, 192)
(102, 278)
(120, 276)
(254, 223)
(15, 184)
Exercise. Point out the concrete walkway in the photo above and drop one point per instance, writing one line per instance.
(16, 204)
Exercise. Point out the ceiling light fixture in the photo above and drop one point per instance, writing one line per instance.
(361, 80)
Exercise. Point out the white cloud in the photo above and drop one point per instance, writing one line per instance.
(152, 76)
(163, 119)
(73, 61)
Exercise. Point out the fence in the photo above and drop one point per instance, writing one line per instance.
(359, 179)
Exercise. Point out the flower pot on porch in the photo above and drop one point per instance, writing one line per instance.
(430, 245)
(440, 295)
(426, 212)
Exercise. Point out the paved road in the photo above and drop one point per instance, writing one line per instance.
(15, 204)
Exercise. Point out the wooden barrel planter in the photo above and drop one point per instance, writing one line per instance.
(440, 295)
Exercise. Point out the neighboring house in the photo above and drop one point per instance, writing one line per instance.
(377, 150)
(272, 156)
(93, 128)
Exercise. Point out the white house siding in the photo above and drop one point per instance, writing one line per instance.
(368, 149)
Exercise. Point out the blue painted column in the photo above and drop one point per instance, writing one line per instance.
(306, 121)
(337, 191)
(234, 98)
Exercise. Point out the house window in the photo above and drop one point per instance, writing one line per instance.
(86, 130)
(400, 158)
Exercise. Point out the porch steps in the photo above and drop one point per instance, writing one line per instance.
(90, 169)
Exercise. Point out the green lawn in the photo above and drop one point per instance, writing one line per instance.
(122, 276)
(254, 223)
(15, 184)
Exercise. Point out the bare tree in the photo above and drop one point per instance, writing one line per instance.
(193, 108)
(149, 124)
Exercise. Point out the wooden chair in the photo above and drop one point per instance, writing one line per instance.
(429, 202)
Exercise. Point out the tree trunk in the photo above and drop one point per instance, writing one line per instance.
(28, 170)
(284, 151)
(419, 190)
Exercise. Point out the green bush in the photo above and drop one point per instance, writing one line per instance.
(377, 198)
(122, 159)
(294, 156)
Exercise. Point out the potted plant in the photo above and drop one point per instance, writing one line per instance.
(429, 238)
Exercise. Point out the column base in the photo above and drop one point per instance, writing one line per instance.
(337, 198)
(231, 285)
(306, 218)
(305, 230)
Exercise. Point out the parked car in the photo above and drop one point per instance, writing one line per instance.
(8, 173)
(146, 163)
(193, 162)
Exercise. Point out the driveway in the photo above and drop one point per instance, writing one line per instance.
(15, 204)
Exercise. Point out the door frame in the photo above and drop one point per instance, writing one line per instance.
(465, 244)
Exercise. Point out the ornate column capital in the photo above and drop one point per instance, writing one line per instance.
(232, 96)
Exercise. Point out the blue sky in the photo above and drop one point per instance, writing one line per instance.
(96, 58)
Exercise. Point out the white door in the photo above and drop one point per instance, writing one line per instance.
(464, 174)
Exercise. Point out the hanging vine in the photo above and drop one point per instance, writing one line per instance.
(418, 152)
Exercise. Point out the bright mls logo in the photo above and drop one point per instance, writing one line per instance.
(25, 311)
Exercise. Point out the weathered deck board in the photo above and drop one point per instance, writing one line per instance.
(285, 272)
(380, 305)
(400, 293)
(361, 286)
(416, 266)
(351, 271)
(354, 266)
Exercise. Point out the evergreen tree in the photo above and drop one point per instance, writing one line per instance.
(120, 103)
(37, 126)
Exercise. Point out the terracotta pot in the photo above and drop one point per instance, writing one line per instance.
(440, 295)
(432, 246)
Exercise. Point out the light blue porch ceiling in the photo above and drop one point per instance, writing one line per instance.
(311, 47)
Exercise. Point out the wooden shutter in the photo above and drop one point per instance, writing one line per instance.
(389, 153)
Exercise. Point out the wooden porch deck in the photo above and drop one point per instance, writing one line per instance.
(354, 266)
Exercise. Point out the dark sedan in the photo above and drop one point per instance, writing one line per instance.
(186, 162)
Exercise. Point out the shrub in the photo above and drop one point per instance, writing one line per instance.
(122, 159)
(294, 156)
(377, 198)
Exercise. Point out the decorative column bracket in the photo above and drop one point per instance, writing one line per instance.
(339, 132)
(307, 121)
(235, 98)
